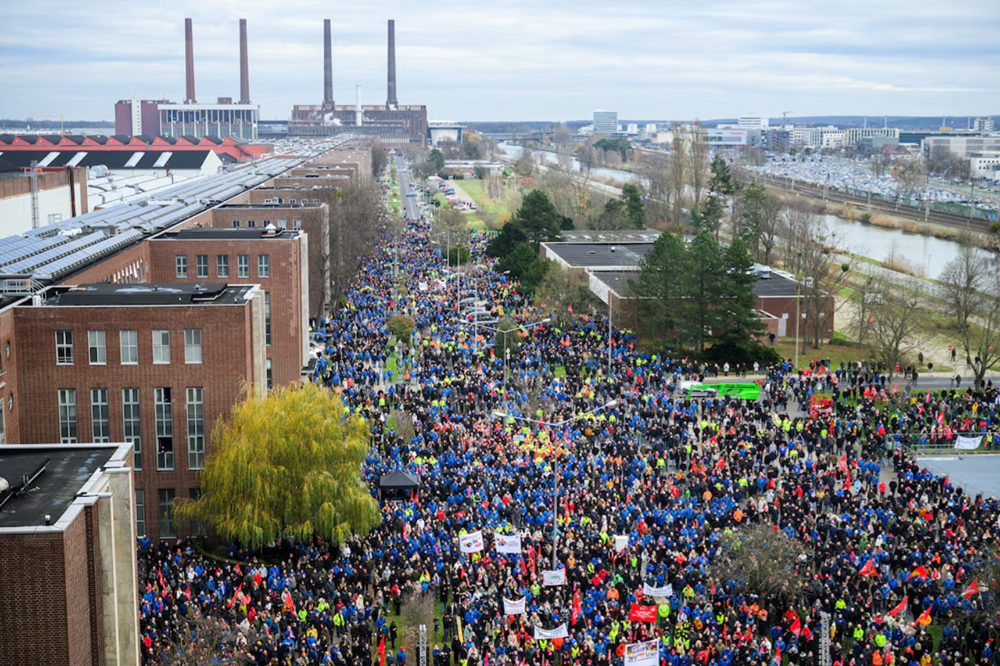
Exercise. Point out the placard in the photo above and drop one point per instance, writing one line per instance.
(968, 443)
(471, 542)
(548, 634)
(507, 543)
(513, 607)
(646, 653)
(552, 578)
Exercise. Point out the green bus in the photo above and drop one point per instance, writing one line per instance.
(747, 391)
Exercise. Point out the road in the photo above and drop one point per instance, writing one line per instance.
(411, 207)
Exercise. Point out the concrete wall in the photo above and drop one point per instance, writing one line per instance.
(55, 197)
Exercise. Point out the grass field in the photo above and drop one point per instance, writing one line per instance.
(477, 190)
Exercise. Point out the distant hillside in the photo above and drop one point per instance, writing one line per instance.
(902, 122)
(53, 124)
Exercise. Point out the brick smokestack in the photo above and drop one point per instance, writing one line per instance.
(327, 64)
(189, 61)
(391, 102)
(244, 65)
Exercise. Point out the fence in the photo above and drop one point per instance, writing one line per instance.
(947, 443)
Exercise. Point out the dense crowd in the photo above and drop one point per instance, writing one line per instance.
(651, 487)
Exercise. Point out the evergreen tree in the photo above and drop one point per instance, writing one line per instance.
(658, 286)
(634, 205)
(538, 219)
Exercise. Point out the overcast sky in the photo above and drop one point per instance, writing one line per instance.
(516, 59)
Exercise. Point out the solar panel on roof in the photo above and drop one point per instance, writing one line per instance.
(95, 251)
(26, 265)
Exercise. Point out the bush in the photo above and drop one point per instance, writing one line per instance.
(458, 256)
(402, 327)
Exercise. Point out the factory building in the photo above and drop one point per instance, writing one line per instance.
(392, 124)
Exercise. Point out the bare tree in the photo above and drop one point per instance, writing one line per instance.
(970, 288)
(895, 328)
(698, 161)
(654, 171)
(910, 174)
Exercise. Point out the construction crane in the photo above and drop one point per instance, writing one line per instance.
(784, 118)
(62, 121)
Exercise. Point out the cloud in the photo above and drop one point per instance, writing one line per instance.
(517, 59)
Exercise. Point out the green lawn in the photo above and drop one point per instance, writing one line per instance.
(477, 190)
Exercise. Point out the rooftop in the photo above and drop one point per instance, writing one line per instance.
(113, 159)
(610, 236)
(180, 293)
(594, 255)
(50, 478)
(226, 233)
(617, 281)
(774, 287)
(270, 206)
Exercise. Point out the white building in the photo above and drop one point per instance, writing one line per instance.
(605, 122)
(855, 134)
(198, 120)
(985, 165)
(813, 136)
(754, 122)
(726, 138)
(984, 124)
(962, 146)
(632, 128)
(833, 139)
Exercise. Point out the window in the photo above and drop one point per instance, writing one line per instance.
(167, 528)
(282, 224)
(265, 223)
(251, 224)
(296, 224)
(198, 527)
(129, 342)
(181, 262)
(55, 217)
(243, 266)
(196, 428)
(201, 266)
(192, 345)
(161, 346)
(67, 416)
(236, 224)
(140, 513)
(97, 347)
(99, 420)
(164, 428)
(3, 425)
(133, 432)
(269, 382)
(64, 347)
(267, 317)
(222, 265)
(264, 266)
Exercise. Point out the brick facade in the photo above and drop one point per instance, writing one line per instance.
(228, 365)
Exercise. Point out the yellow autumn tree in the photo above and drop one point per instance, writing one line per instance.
(286, 465)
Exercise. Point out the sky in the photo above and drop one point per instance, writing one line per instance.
(515, 59)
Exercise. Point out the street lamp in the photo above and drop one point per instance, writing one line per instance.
(504, 332)
(555, 467)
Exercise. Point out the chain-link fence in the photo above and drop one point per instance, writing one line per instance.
(946, 443)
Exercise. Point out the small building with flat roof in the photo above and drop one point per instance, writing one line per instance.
(68, 570)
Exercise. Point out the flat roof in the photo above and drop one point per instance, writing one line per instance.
(586, 255)
(609, 236)
(51, 493)
(267, 206)
(180, 293)
(226, 233)
(775, 286)
(617, 281)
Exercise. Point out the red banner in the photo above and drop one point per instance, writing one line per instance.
(642, 613)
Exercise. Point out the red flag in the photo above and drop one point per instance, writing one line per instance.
(159, 572)
(719, 465)
(901, 608)
(919, 572)
(868, 569)
(642, 613)
(924, 619)
(187, 593)
(381, 651)
(843, 464)
(777, 654)
(286, 596)
(235, 596)
(576, 607)
(524, 567)
(973, 589)
(796, 627)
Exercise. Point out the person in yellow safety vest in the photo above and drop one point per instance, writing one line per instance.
(322, 605)
(663, 610)
(880, 641)
(615, 627)
(338, 622)
(859, 634)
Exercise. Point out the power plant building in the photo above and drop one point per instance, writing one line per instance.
(391, 123)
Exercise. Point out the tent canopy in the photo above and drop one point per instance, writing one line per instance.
(399, 479)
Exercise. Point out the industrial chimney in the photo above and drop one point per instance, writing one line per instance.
(189, 61)
(358, 113)
(327, 65)
(391, 103)
(244, 65)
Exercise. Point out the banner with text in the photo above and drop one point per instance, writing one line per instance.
(642, 654)
(507, 543)
(557, 577)
(471, 542)
(665, 591)
(513, 607)
(548, 634)
(968, 443)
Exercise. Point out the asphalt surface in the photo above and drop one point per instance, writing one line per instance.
(974, 474)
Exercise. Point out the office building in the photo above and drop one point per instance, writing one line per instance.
(984, 124)
(754, 122)
(960, 146)
(605, 122)
(853, 135)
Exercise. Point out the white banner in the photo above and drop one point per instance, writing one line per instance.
(546, 634)
(968, 443)
(642, 654)
(471, 542)
(513, 607)
(423, 286)
(557, 577)
(621, 543)
(665, 591)
(507, 543)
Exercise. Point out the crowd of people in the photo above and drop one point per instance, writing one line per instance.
(627, 497)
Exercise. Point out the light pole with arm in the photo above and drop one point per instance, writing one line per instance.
(555, 467)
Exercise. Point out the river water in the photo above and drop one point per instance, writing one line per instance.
(925, 254)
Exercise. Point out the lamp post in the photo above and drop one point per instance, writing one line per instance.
(555, 467)
(505, 332)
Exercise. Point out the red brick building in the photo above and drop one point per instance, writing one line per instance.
(153, 365)
(275, 259)
(68, 571)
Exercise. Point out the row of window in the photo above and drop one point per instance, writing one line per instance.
(282, 224)
(222, 266)
(128, 343)
(168, 528)
(100, 423)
